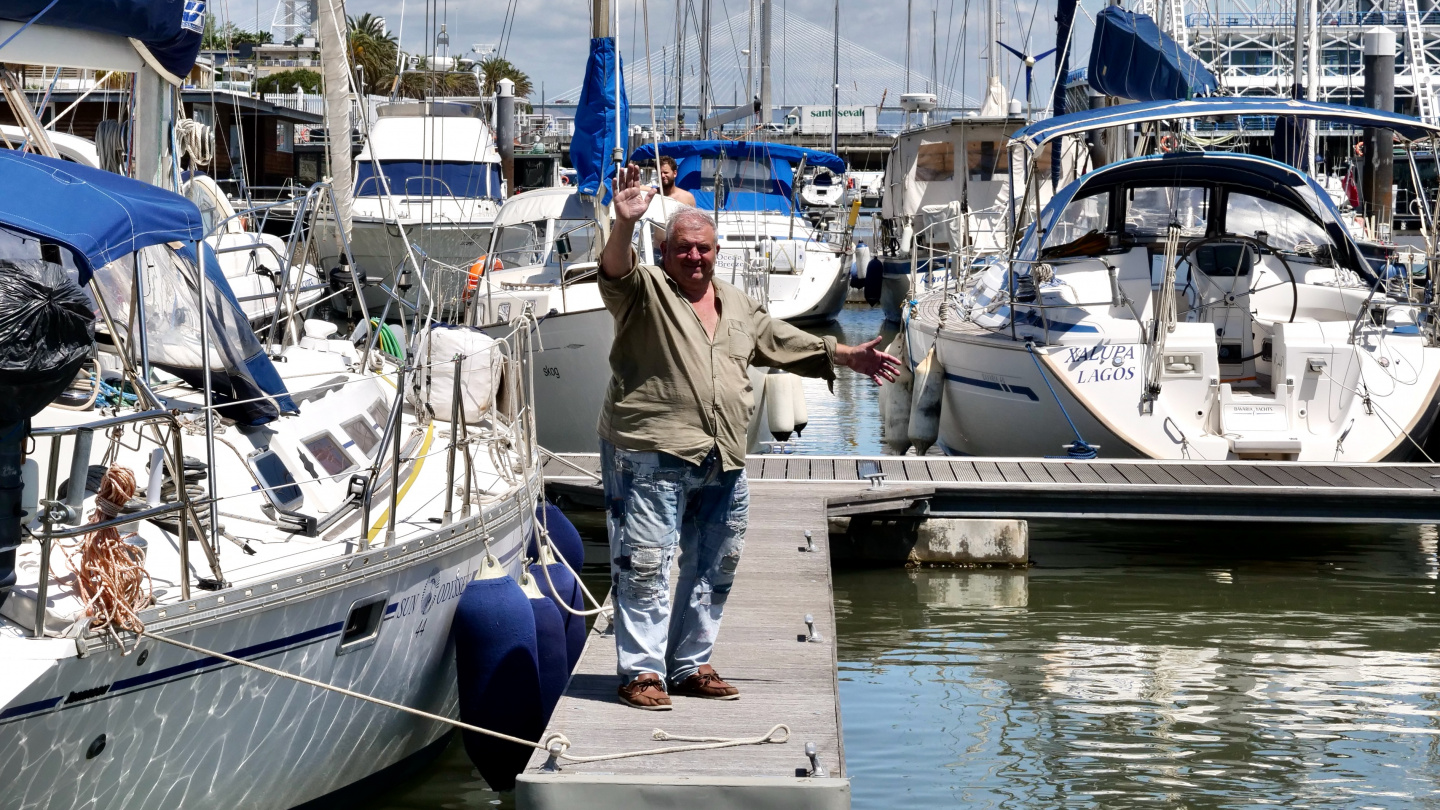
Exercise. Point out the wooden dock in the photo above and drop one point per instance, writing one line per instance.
(1296, 492)
(763, 649)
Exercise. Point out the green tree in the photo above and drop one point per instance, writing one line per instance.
(373, 51)
(496, 68)
(216, 37)
(290, 81)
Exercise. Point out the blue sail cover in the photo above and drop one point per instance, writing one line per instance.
(98, 215)
(1132, 58)
(602, 121)
(169, 29)
(755, 175)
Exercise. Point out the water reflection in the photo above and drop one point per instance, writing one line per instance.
(1165, 665)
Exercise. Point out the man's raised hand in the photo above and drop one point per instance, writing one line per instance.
(632, 198)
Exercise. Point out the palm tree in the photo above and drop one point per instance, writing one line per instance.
(373, 51)
(496, 68)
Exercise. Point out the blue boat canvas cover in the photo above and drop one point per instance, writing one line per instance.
(103, 218)
(600, 115)
(695, 167)
(170, 30)
(1130, 57)
(98, 215)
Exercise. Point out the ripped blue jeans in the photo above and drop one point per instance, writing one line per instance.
(657, 505)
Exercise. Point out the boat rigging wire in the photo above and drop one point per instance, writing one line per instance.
(1079, 449)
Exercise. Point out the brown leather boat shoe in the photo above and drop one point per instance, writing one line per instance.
(704, 683)
(646, 692)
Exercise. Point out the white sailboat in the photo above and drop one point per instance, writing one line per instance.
(1184, 305)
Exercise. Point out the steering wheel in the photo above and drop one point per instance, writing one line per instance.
(1231, 298)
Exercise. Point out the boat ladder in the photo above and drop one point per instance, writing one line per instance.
(1419, 69)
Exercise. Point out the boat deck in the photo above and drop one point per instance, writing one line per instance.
(1304, 492)
(763, 649)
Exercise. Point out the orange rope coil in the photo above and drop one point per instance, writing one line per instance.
(110, 574)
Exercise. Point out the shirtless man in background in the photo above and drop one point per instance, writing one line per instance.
(667, 182)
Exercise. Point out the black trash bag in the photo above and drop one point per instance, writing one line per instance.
(47, 329)
(874, 281)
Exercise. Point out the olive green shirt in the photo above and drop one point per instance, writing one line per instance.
(673, 389)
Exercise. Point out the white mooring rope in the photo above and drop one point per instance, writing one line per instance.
(556, 744)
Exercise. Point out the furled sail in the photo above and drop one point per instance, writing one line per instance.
(331, 27)
(602, 120)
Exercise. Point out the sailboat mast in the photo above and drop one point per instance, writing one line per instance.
(704, 63)
(908, 18)
(992, 31)
(835, 100)
(680, 10)
(765, 100)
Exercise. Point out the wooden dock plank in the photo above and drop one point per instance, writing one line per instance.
(1037, 472)
(989, 472)
(1135, 490)
(941, 470)
(917, 470)
(781, 678)
(1060, 472)
(964, 470)
(1012, 472)
(893, 468)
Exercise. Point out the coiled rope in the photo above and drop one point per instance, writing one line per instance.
(556, 744)
(196, 140)
(110, 574)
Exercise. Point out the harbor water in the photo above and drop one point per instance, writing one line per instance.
(1200, 665)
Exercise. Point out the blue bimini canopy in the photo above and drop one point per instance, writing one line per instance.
(170, 30)
(602, 120)
(754, 175)
(99, 216)
(1131, 57)
(1040, 133)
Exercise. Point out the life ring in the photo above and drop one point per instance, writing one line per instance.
(1169, 143)
(564, 180)
(1359, 149)
(477, 270)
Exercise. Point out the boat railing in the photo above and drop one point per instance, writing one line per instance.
(61, 518)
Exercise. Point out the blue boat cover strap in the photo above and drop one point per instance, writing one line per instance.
(598, 118)
(1130, 57)
(170, 30)
(98, 215)
(1040, 133)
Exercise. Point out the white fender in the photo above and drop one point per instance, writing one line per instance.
(862, 260)
(895, 399)
(779, 405)
(928, 391)
(802, 413)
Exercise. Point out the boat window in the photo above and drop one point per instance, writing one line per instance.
(1283, 227)
(737, 175)
(379, 411)
(275, 477)
(576, 240)
(324, 449)
(1150, 211)
(1079, 218)
(361, 434)
(435, 178)
(935, 162)
(986, 159)
(518, 245)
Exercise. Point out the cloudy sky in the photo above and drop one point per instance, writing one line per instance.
(548, 38)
